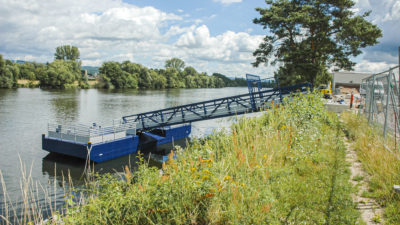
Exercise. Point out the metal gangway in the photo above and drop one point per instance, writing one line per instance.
(258, 98)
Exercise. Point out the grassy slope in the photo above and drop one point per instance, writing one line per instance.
(382, 165)
(286, 166)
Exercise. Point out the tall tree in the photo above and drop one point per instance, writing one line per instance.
(67, 52)
(310, 36)
(6, 76)
(175, 63)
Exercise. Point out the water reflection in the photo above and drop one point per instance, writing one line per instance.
(61, 167)
(65, 105)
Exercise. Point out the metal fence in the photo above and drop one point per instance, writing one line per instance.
(95, 133)
(380, 100)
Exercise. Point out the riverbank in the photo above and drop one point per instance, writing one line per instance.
(24, 83)
(287, 166)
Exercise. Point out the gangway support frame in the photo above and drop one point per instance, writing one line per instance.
(216, 108)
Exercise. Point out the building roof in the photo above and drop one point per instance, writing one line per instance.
(346, 77)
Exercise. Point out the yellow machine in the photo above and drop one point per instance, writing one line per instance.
(326, 90)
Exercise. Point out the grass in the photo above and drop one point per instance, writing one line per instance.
(358, 178)
(382, 165)
(287, 166)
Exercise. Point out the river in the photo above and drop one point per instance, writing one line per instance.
(25, 113)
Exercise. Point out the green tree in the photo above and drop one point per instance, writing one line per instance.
(59, 74)
(7, 79)
(113, 76)
(175, 63)
(67, 52)
(310, 36)
(190, 71)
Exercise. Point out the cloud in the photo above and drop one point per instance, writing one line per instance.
(229, 51)
(83, 23)
(376, 67)
(227, 2)
(111, 30)
(386, 14)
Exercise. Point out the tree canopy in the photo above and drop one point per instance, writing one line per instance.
(175, 63)
(308, 37)
(133, 75)
(67, 73)
(67, 52)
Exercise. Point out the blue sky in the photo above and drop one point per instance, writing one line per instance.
(210, 35)
(217, 16)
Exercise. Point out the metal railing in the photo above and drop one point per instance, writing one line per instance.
(380, 100)
(95, 133)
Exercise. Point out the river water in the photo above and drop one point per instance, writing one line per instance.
(25, 113)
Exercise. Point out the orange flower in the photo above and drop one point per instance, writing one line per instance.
(209, 195)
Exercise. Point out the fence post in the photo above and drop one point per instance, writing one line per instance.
(371, 100)
(389, 80)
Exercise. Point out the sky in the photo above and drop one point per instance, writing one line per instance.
(209, 35)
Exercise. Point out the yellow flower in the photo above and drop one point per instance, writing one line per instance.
(205, 178)
(228, 178)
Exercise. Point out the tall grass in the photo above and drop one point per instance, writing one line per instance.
(35, 203)
(381, 162)
(287, 166)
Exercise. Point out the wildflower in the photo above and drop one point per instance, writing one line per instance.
(164, 178)
(228, 178)
(205, 178)
(206, 172)
(193, 169)
(209, 195)
(266, 208)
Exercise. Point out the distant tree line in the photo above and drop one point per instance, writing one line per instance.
(65, 71)
(174, 75)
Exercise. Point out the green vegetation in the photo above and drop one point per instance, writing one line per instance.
(284, 167)
(175, 75)
(67, 52)
(309, 37)
(8, 73)
(64, 72)
(382, 165)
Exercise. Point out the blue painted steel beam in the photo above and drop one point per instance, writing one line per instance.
(211, 109)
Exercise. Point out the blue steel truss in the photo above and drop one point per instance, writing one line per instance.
(234, 105)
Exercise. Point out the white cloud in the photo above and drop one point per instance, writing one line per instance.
(46, 25)
(107, 30)
(227, 2)
(372, 67)
(386, 14)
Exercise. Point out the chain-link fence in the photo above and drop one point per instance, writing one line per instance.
(380, 101)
